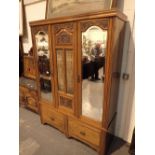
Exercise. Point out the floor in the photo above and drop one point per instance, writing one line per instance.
(38, 139)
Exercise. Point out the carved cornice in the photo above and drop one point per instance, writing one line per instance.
(69, 26)
(101, 23)
(36, 29)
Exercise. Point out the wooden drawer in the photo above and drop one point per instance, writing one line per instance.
(22, 95)
(23, 90)
(32, 103)
(28, 98)
(84, 133)
(32, 93)
(53, 118)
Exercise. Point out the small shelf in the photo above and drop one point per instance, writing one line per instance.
(29, 83)
(28, 56)
(45, 77)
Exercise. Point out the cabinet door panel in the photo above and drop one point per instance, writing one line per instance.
(64, 40)
(42, 42)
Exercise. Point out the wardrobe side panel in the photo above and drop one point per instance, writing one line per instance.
(116, 53)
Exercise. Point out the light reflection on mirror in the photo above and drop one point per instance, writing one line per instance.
(93, 65)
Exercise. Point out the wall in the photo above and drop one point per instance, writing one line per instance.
(34, 11)
(126, 114)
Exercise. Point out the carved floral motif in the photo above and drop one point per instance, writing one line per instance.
(64, 38)
(65, 102)
(58, 27)
(40, 28)
(101, 23)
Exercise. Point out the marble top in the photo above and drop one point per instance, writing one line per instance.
(29, 83)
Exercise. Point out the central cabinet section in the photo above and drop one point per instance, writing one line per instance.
(64, 47)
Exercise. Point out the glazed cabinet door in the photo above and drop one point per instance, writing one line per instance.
(64, 47)
(44, 63)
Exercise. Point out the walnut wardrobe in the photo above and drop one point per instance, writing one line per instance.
(69, 98)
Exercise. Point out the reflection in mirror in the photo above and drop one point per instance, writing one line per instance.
(93, 66)
(44, 65)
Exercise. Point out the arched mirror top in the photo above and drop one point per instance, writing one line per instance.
(91, 37)
(42, 44)
(44, 67)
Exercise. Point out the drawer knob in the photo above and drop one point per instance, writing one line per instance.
(82, 133)
(52, 119)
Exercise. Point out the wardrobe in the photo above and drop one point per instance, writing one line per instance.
(78, 88)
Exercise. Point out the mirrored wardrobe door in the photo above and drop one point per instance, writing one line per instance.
(93, 51)
(44, 67)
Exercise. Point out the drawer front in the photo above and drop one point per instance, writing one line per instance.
(31, 102)
(79, 130)
(23, 90)
(28, 98)
(22, 95)
(33, 94)
(29, 68)
(53, 118)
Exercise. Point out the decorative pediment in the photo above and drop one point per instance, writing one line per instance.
(64, 37)
(67, 26)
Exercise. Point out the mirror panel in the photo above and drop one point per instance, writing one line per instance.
(43, 55)
(93, 59)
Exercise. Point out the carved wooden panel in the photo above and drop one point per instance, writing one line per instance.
(65, 102)
(29, 67)
(69, 71)
(40, 28)
(60, 69)
(64, 37)
(69, 26)
(101, 23)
